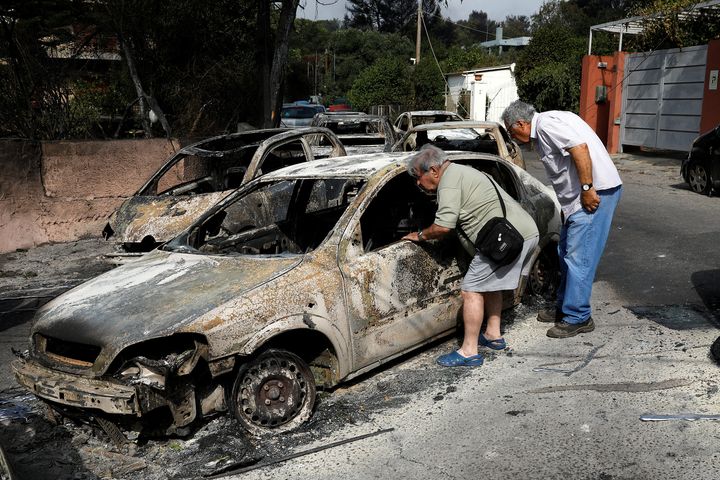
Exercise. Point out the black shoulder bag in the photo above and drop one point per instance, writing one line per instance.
(498, 239)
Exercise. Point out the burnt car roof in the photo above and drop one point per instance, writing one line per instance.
(455, 125)
(222, 143)
(359, 166)
(429, 112)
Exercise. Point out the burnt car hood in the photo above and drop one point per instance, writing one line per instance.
(152, 297)
(161, 217)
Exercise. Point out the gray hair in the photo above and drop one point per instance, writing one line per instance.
(517, 111)
(428, 156)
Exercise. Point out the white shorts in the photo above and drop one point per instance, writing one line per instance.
(484, 276)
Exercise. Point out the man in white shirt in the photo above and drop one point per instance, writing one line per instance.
(588, 188)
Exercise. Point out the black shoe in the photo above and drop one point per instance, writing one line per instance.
(564, 330)
(549, 315)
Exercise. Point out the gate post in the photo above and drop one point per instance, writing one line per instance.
(615, 100)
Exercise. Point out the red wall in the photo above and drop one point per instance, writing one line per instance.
(711, 98)
(595, 114)
(602, 116)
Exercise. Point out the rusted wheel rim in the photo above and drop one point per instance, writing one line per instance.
(272, 391)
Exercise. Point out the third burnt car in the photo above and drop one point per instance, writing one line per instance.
(467, 135)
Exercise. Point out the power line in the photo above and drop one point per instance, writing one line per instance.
(432, 50)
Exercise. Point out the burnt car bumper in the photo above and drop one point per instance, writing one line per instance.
(75, 391)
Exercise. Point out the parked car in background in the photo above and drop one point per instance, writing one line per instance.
(407, 120)
(359, 132)
(299, 279)
(339, 105)
(701, 169)
(293, 116)
(471, 136)
(199, 175)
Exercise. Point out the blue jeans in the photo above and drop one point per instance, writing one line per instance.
(582, 241)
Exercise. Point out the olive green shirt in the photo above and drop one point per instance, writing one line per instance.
(467, 199)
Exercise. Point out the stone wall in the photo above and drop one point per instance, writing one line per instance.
(63, 191)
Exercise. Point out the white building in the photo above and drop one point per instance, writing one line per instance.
(481, 94)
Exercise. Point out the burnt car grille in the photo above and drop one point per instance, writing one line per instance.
(72, 353)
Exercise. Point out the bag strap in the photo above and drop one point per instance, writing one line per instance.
(502, 203)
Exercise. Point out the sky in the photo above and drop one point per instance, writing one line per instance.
(496, 9)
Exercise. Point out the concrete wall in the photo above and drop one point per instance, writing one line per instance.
(63, 191)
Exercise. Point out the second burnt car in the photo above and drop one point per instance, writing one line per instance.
(199, 175)
(298, 280)
(466, 135)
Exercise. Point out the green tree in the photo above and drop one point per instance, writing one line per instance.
(665, 26)
(428, 86)
(477, 28)
(36, 88)
(385, 82)
(516, 26)
(549, 68)
(460, 59)
(390, 16)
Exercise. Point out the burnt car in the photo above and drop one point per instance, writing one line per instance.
(359, 132)
(471, 136)
(701, 169)
(199, 175)
(407, 120)
(297, 281)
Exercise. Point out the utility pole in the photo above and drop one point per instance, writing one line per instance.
(417, 39)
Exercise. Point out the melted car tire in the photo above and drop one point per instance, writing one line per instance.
(715, 350)
(273, 393)
(544, 276)
(699, 178)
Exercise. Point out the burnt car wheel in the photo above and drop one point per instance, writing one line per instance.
(715, 350)
(699, 178)
(544, 277)
(273, 393)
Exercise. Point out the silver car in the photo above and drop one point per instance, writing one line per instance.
(297, 280)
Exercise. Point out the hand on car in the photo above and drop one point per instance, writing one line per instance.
(412, 236)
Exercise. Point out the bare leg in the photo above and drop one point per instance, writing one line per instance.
(473, 305)
(493, 309)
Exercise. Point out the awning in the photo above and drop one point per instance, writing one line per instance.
(635, 25)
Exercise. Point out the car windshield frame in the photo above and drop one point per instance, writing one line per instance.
(193, 239)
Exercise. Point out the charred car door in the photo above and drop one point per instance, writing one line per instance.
(399, 294)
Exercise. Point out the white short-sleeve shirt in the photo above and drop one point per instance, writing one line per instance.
(555, 131)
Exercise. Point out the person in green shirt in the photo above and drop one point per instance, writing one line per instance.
(466, 201)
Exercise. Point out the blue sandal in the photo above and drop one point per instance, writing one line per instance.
(497, 344)
(455, 359)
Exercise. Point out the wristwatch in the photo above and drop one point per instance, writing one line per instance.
(420, 235)
(586, 186)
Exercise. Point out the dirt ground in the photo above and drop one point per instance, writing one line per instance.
(40, 449)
